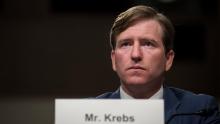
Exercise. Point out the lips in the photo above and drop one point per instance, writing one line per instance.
(136, 68)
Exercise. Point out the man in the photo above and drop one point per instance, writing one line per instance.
(142, 52)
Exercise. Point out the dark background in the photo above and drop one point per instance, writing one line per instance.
(60, 49)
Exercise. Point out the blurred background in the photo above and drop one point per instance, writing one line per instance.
(60, 49)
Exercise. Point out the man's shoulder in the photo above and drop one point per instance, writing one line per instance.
(193, 100)
(185, 94)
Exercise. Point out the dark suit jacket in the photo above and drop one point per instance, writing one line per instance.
(183, 107)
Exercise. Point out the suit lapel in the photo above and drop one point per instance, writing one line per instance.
(115, 95)
(171, 103)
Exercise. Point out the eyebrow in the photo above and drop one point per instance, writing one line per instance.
(123, 40)
(140, 39)
(148, 39)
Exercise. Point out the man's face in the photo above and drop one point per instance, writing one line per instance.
(139, 57)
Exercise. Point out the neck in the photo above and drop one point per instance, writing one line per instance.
(140, 91)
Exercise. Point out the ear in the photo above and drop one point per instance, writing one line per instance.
(113, 60)
(169, 59)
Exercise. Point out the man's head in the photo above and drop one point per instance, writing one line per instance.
(142, 52)
(138, 13)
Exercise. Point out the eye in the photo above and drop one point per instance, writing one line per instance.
(148, 43)
(124, 43)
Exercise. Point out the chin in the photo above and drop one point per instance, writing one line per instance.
(136, 82)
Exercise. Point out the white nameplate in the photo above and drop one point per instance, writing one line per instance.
(106, 111)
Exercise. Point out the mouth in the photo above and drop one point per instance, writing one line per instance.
(136, 68)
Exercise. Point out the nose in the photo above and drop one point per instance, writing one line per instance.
(136, 53)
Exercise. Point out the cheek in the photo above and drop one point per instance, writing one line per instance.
(121, 60)
(157, 61)
(161, 63)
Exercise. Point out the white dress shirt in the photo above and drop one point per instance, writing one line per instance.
(157, 95)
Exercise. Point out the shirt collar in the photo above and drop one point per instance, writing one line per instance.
(157, 95)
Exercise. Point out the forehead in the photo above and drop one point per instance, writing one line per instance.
(150, 29)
